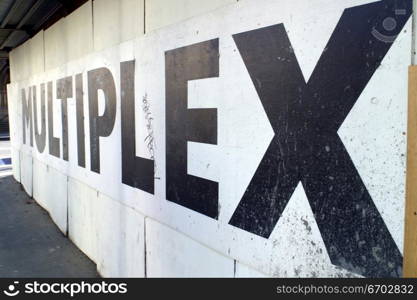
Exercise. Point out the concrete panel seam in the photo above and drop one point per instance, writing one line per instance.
(144, 246)
(20, 167)
(148, 217)
(413, 34)
(32, 177)
(234, 268)
(191, 238)
(18, 152)
(144, 16)
(67, 212)
(92, 24)
(252, 267)
(43, 44)
(106, 195)
(153, 219)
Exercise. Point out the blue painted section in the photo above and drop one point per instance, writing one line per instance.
(6, 161)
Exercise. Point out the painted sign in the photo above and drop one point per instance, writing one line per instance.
(217, 133)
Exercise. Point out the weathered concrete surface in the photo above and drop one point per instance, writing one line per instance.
(322, 229)
(30, 243)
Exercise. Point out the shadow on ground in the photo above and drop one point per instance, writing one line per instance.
(30, 243)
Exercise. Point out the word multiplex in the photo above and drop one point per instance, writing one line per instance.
(311, 113)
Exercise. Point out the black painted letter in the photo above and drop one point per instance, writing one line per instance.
(63, 92)
(54, 148)
(198, 125)
(306, 147)
(40, 138)
(100, 79)
(27, 115)
(137, 172)
(79, 103)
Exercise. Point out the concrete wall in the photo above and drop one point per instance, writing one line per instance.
(128, 231)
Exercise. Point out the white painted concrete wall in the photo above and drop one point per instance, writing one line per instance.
(108, 232)
(117, 21)
(26, 172)
(83, 211)
(160, 13)
(128, 232)
(15, 155)
(55, 45)
(50, 191)
(70, 38)
(166, 249)
(121, 239)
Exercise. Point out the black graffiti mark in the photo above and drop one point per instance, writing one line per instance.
(306, 147)
(149, 139)
(182, 125)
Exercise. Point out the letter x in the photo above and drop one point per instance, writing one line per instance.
(306, 147)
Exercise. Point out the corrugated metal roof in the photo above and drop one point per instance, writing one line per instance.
(5, 6)
(19, 19)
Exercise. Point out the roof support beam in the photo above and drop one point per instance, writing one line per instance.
(30, 12)
(11, 12)
(7, 40)
(4, 54)
(22, 22)
(6, 30)
(45, 17)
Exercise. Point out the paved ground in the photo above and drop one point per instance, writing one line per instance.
(30, 243)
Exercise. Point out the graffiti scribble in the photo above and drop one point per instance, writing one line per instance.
(149, 139)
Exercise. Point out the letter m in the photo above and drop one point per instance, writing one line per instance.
(27, 115)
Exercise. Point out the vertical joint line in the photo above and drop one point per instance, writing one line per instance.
(67, 229)
(144, 242)
(44, 55)
(31, 192)
(92, 21)
(144, 16)
(234, 268)
(413, 34)
(20, 169)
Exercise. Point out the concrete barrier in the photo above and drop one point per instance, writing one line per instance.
(236, 138)
(50, 191)
(117, 21)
